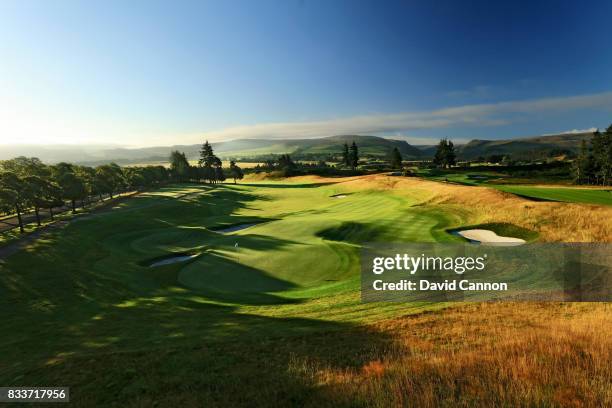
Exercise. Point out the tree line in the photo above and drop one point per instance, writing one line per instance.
(594, 162)
(209, 168)
(29, 184)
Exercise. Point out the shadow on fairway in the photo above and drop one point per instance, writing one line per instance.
(219, 278)
(79, 310)
(113, 343)
(353, 232)
(289, 185)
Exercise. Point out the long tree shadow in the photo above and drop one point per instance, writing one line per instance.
(81, 310)
(289, 185)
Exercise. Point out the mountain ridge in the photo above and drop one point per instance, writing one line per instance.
(522, 147)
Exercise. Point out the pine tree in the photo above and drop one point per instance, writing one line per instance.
(396, 158)
(345, 155)
(210, 162)
(207, 156)
(445, 154)
(235, 171)
(354, 156)
(450, 157)
(439, 157)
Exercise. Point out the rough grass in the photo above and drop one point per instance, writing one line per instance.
(481, 354)
(278, 320)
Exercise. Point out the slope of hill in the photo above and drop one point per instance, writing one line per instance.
(521, 148)
(368, 145)
(524, 148)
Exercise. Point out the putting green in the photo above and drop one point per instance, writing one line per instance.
(89, 289)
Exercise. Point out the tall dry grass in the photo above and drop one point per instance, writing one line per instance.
(490, 354)
(487, 354)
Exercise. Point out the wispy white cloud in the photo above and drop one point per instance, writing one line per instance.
(28, 125)
(494, 114)
(572, 132)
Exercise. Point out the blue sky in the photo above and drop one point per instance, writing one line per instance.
(149, 73)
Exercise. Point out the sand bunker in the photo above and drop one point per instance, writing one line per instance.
(235, 228)
(172, 259)
(339, 196)
(488, 237)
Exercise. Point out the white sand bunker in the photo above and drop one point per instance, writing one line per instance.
(172, 259)
(339, 196)
(488, 237)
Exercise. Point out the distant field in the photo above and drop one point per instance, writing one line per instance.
(566, 194)
(467, 178)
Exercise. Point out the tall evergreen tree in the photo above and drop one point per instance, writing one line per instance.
(396, 158)
(286, 164)
(594, 165)
(438, 159)
(354, 156)
(235, 171)
(207, 156)
(346, 161)
(450, 157)
(210, 163)
(445, 154)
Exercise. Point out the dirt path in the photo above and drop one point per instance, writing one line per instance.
(10, 249)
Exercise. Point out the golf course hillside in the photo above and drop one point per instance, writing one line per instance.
(193, 286)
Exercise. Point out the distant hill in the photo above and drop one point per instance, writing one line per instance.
(524, 148)
(521, 148)
(368, 145)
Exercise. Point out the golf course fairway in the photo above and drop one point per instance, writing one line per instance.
(89, 311)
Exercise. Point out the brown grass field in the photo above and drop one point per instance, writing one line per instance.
(489, 354)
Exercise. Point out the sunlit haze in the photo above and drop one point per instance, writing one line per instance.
(148, 73)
